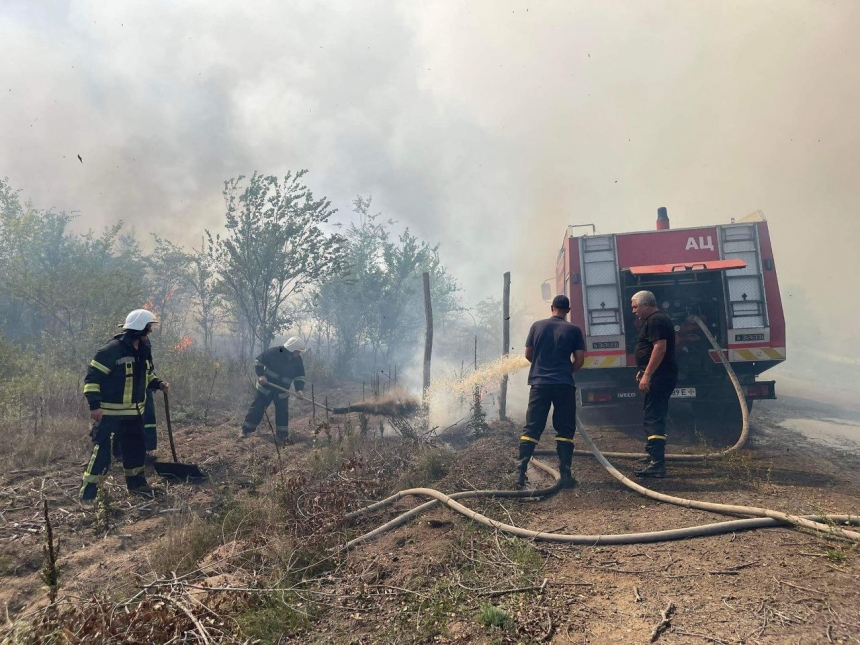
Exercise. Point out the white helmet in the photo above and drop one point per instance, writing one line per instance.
(138, 319)
(295, 344)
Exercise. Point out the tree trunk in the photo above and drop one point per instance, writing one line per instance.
(506, 342)
(428, 338)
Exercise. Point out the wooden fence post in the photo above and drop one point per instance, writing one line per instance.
(506, 342)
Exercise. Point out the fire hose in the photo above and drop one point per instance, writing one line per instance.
(745, 428)
(760, 517)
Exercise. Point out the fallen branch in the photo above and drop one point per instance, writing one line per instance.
(551, 629)
(501, 592)
(712, 639)
(664, 623)
(794, 586)
(204, 635)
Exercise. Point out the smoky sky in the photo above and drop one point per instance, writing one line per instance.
(485, 126)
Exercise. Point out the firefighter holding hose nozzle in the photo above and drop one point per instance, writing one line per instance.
(657, 376)
(556, 349)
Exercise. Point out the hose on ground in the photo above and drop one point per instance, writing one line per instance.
(745, 428)
(763, 517)
(766, 518)
(725, 509)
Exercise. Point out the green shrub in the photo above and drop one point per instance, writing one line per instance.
(492, 616)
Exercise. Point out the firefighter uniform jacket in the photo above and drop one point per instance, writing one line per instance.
(281, 368)
(118, 377)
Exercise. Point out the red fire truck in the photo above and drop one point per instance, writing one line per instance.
(723, 274)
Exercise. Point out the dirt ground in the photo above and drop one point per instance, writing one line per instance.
(441, 577)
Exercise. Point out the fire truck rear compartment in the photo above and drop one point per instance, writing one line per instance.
(701, 381)
(681, 295)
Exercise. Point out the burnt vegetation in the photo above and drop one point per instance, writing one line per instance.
(254, 554)
(254, 551)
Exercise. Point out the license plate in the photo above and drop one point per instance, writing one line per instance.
(684, 393)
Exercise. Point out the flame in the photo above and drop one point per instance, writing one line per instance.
(183, 344)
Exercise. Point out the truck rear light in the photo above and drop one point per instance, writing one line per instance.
(763, 390)
(598, 396)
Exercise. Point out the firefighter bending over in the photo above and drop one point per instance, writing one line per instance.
(657, 376)
(556, 349)
(277, 369)
(115, 387)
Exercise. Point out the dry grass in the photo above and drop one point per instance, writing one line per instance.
(27, 444)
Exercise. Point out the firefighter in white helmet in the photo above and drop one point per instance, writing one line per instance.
(115, 387)
(277, 369)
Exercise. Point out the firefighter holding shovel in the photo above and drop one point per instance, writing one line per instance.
(277, 369)
(116, 387)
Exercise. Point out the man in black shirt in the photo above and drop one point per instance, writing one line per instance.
(657, 376)
(556, 349)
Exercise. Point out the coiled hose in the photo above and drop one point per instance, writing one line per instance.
(761, 517)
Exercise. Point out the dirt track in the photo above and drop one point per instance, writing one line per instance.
(768, 586)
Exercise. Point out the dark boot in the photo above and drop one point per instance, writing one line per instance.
(656, 466)
(88, 492)
(652, 469)
(565, 461)
(527, 449)
(648, 458)
(137, 485)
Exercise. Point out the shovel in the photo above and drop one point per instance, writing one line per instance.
(175, 469)
(297, 395)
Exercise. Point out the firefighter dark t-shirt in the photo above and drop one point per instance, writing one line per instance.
(656, 327)
(554, 340)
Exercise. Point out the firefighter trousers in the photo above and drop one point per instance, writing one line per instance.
(654, 414)
(128, 431)
(258, 408)
(150, 434)
(562, 398)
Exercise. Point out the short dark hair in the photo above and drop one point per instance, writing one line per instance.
(561, 302)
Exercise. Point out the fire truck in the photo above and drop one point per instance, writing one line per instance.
(723, 274)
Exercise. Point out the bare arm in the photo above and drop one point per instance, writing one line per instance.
(657, 354)
(578, 359)
(530, 353)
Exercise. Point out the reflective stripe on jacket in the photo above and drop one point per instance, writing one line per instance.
(281, 368)
(118, 376)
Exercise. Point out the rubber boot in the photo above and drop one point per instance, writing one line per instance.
(656, 466)
(565, 461)
(88, 492)
(647, 459)
(527, 449)
(137, 485)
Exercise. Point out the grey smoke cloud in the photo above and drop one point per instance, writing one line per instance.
(486, 126)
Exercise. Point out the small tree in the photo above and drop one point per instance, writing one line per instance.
(169, 269)
(275, 247)
(478, 421)
(207, 297)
